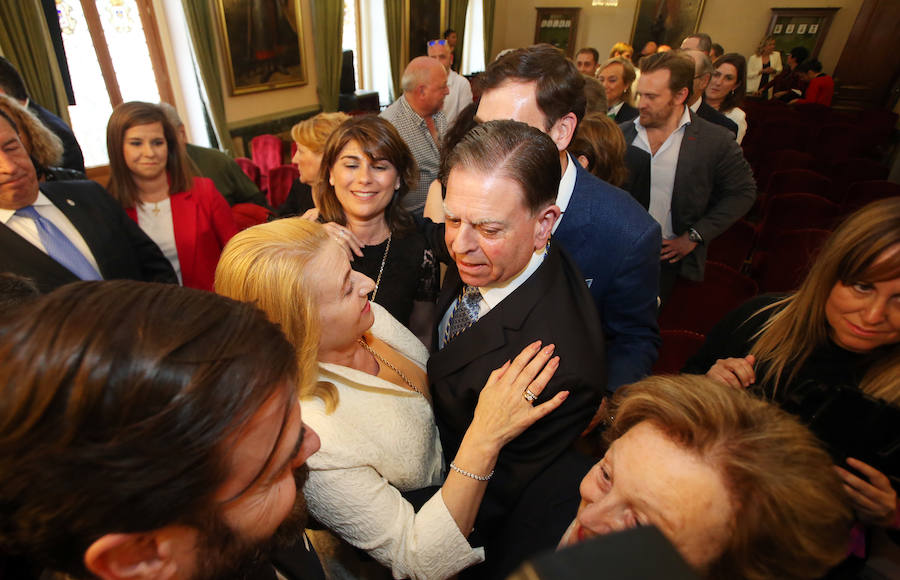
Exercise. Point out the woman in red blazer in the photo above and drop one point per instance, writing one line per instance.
(150, 175)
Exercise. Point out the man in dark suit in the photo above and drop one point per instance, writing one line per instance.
(703, 70)
(11, 84)
(701, 183)
(509, 285)
(175, 447)
(68, 230)
(611, 238)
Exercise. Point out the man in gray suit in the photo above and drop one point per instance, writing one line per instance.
(701, 183)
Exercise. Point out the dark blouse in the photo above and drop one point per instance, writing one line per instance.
(410, 273)
(828, 364)
(299, 200)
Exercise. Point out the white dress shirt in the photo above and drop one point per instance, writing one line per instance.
(157, 222)
(26, 227)
(566, 187)
(459, 97)
(663, 165)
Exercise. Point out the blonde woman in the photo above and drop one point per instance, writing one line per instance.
(310, 136)
(841, 328)
(763, 65)
(371, 405)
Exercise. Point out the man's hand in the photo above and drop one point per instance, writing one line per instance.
(677, 248)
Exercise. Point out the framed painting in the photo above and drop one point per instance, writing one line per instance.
(262, 44)
(557, 26)
(664, 22)
(805, 27)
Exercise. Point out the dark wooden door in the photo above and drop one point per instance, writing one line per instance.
(868, 71)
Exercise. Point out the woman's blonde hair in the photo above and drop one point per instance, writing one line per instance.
(762, 43)
(620, 48)
(799, 325)
(628, 75)
(791, 517)
(269, 265)
(312, 133)
(42, 144)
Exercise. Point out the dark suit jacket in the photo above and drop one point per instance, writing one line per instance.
(714, 186)
(616, 245)
(638, 181)
(121, 249)
(714, 116)
(553, 305)
(73, 158)
(626, 113)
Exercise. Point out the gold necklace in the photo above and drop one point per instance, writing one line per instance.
(381, 269)
(382, 360)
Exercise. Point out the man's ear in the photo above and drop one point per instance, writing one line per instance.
(544, 225)
(563, 130)
(139, 556)
(682, 95)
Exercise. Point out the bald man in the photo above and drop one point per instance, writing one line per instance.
(460, 95)
(418, 118)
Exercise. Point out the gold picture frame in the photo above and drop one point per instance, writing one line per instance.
(262, 43)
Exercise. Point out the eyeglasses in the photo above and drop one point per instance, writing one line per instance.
(440, 42)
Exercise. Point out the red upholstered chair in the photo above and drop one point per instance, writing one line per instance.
(782, 160)
(876, 126)
(280, 180)
(266, 153)
(249, 168)
(249, 214)
(847, 172)
(795, 211)
(798, 181)
(785, 133)
(293, 149)
(732, 248)
(836, 142)
(865, 192)
(698, 306)
(677, 347)
(813, 113)
(783, 268)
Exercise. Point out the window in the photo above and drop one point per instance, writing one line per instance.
(365, 33)
(473, 39)
(113, 53)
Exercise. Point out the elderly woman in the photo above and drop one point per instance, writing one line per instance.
(310, 136)
(719, 473)
(727, 88)
(150, 175)
(841, 328)
(763, 65)
(617, 76)
(371, 406)
(42, 144)
(366, 171)
(622, 49)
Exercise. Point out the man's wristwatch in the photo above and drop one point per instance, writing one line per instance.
(694, 236)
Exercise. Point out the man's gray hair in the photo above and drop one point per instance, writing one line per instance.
(172, 115)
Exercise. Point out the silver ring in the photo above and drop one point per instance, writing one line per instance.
(529, 396)
(342, 233)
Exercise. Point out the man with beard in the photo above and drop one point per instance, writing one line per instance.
(150, 431)
(700, 182)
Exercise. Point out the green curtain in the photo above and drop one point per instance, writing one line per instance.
(458, 23)
(25, 40)
(393, 15)
(328, 15)
(201, 23)
(488, 6)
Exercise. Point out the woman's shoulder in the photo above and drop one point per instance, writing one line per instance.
(397, 336)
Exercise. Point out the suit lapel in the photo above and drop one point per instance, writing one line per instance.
(80, 216)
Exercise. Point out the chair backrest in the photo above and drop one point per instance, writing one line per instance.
(799, 181)
(782, 160)
(249, 214)
(787, 264)
(786, 133)
(733, 246)
(249, 168)
(865, 192)
(266, 152)
(815, 113)
(698, 306)
(836, 142)
(281, 179)
(847, 172)
(795, 211)
(676, 348)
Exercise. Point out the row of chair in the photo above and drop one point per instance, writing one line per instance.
(278, 182)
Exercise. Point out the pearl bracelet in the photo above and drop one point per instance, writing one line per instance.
(472, 475)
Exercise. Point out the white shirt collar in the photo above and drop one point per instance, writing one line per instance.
(696, 105)
(685, 120)
(495, 294)
(566, 187)
(614, 110)
(6, 214)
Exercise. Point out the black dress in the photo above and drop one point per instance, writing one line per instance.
(410, 273)
(299, 200)
(828, 364)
